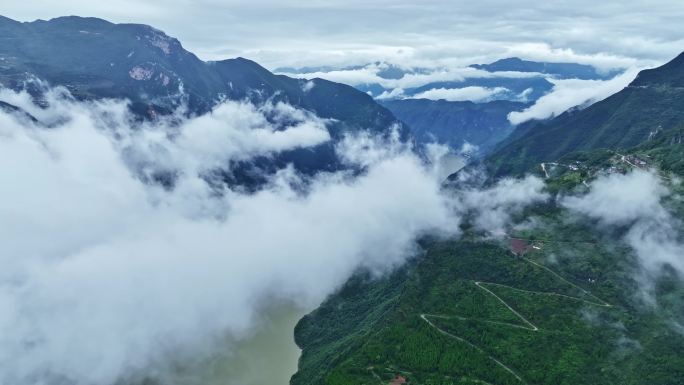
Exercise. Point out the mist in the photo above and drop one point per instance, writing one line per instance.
(110, 276)
(637, 203)
(569, 93)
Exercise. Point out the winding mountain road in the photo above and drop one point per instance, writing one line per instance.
(446, 333)
(529, 325)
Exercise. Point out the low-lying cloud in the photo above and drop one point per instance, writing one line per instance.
(565, 94)
(108, 275)
(474, 94)
(370, 74)
(635, 201)
(568, 93)
(493, 207)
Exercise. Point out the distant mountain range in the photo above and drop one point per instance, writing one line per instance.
(456, 123)
(652, 103)
(509, 84)
(516, 75)
(559, 70)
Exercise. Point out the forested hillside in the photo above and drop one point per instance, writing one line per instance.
(653, 102)
(555, 301)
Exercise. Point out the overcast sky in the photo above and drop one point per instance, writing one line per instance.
(288, 32)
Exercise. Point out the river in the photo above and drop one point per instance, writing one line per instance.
(269, 357)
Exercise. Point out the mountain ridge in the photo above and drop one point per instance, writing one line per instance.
(95, 58)
(654, 101)
(563, 70)
(456, 123)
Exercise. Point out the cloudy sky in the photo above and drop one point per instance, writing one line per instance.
(289, 32)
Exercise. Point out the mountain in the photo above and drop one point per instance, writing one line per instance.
(483, 123)
(384, 70)
(554, 302)
(557, 300)
(95, 59)
(653, 102)
(559, 70)
(472, 312)
(510, 84)
(16, 111)
(455, 123)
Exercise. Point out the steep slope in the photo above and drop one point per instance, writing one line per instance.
(16, 111)
(654, 101)
(665, 150)
(471, 311)
(454, 123)
(94, 58)
(558, 301)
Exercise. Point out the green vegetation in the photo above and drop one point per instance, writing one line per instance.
(665, 150)
(471, 312)
(654, 102)
(579, 339)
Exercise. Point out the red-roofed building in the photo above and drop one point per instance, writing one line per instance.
(519, 246)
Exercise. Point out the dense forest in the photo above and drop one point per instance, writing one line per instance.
(556, 302)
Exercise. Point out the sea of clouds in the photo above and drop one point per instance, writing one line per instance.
(109, 275)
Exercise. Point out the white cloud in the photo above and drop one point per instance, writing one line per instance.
(346, 32)
(620, 199)
(635, 201)
(471, 93)
(233, 131)
(394, 94)
(308, 86)
(451, 54)
(545, 53)
(524, 96)
(106, 276)
(569, 93)
(650, 28)
(433, 72)
(367, 75)
(493, 207)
